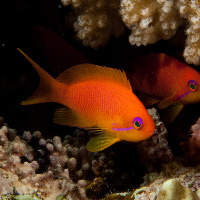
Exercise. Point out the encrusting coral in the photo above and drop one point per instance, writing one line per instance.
(149, 21)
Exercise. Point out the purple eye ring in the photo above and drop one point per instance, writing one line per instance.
(137, 123)
(192, 85)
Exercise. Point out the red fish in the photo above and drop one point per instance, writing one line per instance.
(98, 99)
(164, 80)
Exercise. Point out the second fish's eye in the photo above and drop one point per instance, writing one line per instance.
(192, 85)
(137, 123)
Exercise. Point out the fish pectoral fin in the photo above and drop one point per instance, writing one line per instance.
(147, 100)
(101, 142)
(68, 117)
(166, 102)
(171, 112)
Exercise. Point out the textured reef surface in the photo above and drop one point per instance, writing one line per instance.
(32, 167)
(149, 21)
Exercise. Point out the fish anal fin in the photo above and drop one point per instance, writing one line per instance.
(171, 112)
(147, 100)
(101, 142)
(87, 72)
(68, 117)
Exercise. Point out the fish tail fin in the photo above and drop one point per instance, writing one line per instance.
(44, 92)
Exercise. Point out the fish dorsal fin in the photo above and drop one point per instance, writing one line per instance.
(68, 117)
(86, 72)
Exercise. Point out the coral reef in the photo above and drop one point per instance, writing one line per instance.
(18, 177)
(48, 168)
(149, 21)
(172, 189)
(154, 152)
(191, 147)
(191, 11)
(56, 169)
(96, 21)
(174, 176)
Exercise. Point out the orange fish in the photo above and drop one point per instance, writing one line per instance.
(97, 99)
(164, 80)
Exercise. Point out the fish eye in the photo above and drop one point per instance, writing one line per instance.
(192, 85)
(137, 123)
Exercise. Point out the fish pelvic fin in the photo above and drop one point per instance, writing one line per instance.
(101, 142)
(171, 112)
(44, 92)
(167, 102)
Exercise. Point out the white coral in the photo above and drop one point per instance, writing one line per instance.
(191, 11)
(149, 20)
(97, 21)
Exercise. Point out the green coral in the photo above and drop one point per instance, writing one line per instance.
(27, 197)
(19, 197)
(61, 197)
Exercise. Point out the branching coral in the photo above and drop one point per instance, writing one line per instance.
(191, 11)
(97, 21)
(149, 21)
